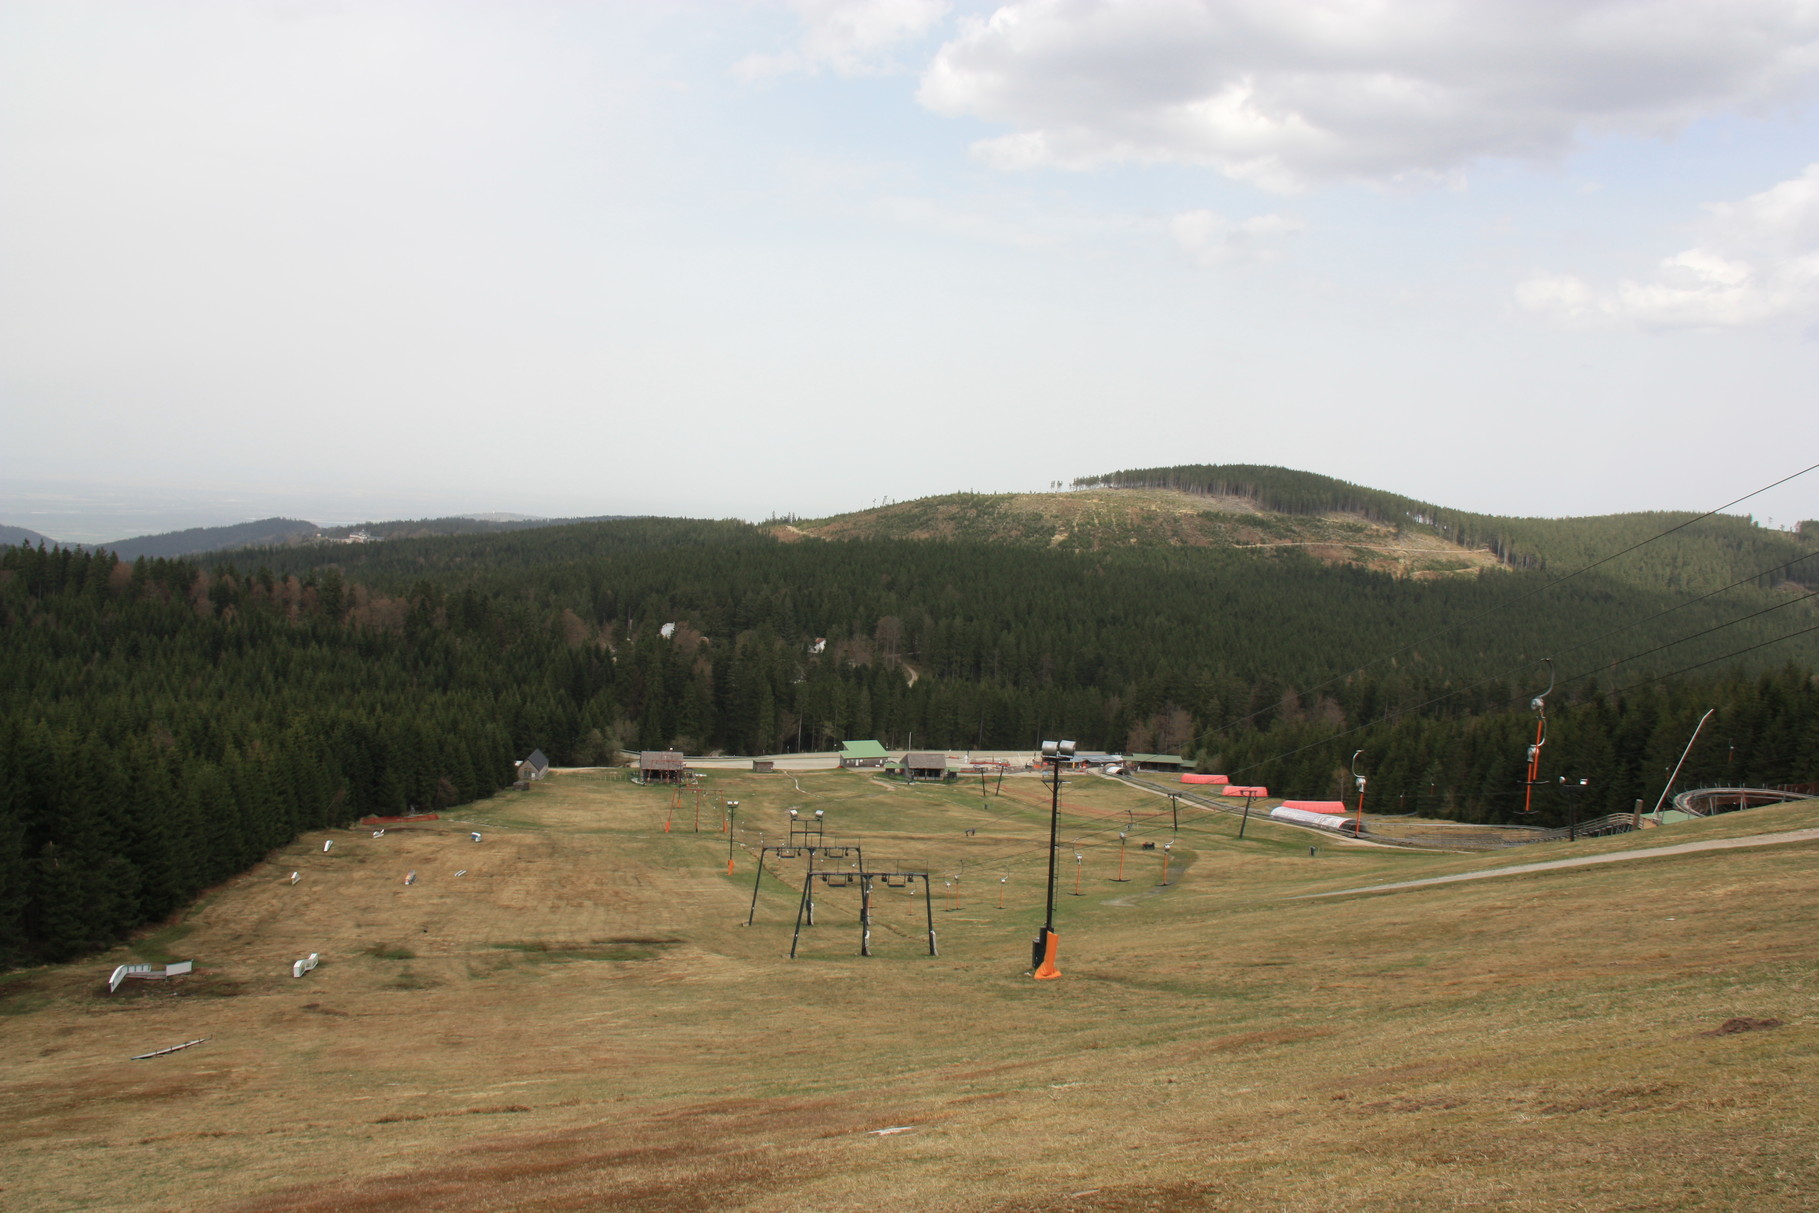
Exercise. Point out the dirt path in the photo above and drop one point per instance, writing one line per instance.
(1716, 844)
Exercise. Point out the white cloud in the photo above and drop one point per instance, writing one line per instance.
(1287, 95)
(1760, 263)
(847, 37)
(1211, 239)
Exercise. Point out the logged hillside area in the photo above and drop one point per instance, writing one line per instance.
(1706, 553)
(1271, 510)
(1114, 518)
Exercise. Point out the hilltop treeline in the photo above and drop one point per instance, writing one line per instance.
(164, 723)
(1709, 553)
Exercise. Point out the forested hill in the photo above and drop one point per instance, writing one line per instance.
(195, 540)
(18, 534)
(269, 532)
(165, 722)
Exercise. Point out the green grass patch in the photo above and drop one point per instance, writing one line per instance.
(158, 947)
(389, 951)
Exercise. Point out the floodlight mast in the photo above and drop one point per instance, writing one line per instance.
(1043, 956)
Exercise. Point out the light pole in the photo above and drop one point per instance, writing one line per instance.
(732, 807)
(1042, 959)
(1572, 805)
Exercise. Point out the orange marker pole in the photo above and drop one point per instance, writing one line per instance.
(1046, 968)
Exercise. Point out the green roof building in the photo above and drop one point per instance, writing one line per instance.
(862, 754)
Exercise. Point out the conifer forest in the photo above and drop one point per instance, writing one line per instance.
(164, 723)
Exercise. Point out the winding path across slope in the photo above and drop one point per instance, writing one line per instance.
(1715, 844)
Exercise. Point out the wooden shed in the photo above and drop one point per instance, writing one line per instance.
(924, 766)
(1156, 762)
(662, 766)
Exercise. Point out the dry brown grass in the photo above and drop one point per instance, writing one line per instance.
(582, 1022)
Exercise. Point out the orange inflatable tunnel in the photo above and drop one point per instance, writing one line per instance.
(1317, 806)
(1193, 778)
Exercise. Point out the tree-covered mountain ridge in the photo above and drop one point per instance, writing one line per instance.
(1262, 508)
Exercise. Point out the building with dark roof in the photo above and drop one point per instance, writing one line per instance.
(924, 766)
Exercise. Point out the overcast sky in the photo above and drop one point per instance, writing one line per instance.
(381, 259)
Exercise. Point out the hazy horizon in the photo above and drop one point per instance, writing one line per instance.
(100, 514)
(748, 257)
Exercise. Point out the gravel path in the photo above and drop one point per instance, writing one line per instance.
(1716, 844)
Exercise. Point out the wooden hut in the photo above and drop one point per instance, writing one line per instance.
(1156, 762)
(661, 766)
(924, 766)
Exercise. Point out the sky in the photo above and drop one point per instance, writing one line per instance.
(356, 260)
